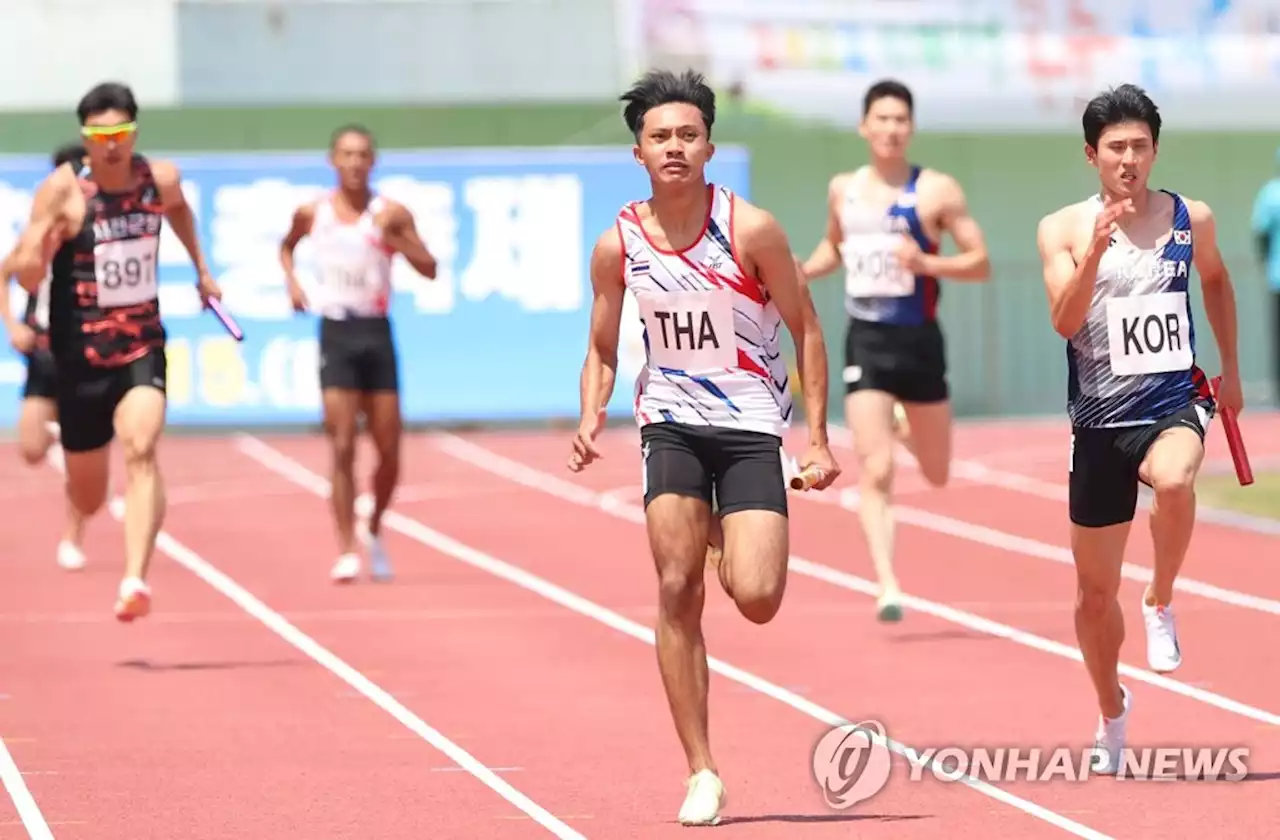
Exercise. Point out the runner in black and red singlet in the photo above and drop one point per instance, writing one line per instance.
(105, 331)
(38, 415)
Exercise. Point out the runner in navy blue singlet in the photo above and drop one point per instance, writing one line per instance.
(885, 222)
(1117, 271)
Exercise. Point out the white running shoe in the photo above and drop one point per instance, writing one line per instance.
(346, 569)
(1108, 743)
(704, 800)
(1163, 652)
(134, 600)
(379, 562)
(70, 557)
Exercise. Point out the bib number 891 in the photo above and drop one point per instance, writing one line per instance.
(130, 272)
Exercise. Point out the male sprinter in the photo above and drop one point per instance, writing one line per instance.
(38, 417)
(105, 331)
(355, 234)
(885, 221)
(1117, 271)
(714, 279)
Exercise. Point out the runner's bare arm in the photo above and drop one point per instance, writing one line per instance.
(48, 207)
(765, 247)
(972, 263)
(183, 221)
(608, 290)
(826, 256)
(299, 227)
(1215, 280)
(401, 235)
(1068, 286)
(6, 311)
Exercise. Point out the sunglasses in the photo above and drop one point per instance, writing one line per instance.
(103, 134)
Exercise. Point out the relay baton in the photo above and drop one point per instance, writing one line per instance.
(1235, 441)
(801, 480)
(228, 323)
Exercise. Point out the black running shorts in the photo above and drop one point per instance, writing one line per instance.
(908, 362)
(732, 468)
(358, 354)
(1103, 487)
(42, 376)
(87, 398)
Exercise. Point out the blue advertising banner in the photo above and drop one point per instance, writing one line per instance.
(499, 335)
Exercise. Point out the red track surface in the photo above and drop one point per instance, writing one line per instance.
(201, 721)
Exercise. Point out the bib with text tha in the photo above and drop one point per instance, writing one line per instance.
(690, 331)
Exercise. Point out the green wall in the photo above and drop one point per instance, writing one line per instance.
(1005, 358)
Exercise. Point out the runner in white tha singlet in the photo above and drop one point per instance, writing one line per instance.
(353, 264)
(711, 333)
(712, 397)
(355, 234)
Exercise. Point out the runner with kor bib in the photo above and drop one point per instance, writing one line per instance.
(715, 281)
(355, 235)
(1117, 272)
(38, 417)
(885, 222)
(105, 332)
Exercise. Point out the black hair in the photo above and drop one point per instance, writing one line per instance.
(70, 153)
(108, 96)
(1127, 103)
(350, 128)
(888, 89)
(661, 87)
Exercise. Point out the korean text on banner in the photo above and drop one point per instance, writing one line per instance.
(499, 335)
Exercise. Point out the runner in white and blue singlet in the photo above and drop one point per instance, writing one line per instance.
(884, 224)
(714, 279)
(1117, 270)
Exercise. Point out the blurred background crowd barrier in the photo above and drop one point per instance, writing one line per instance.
(500, 129)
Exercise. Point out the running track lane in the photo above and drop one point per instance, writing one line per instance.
(764, 747)
(1040, 511)
(199, 721)
(575, 712)
(979, 704)
(1028, 592)
(1042, 589)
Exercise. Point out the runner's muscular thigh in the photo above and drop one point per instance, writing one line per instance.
(139, 419)
(1173, 460)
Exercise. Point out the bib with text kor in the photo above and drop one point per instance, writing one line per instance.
(690, 331)
(1149, 334)
(125, 271)
(873, 270)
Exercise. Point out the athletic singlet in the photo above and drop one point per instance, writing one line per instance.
(104, 306)
(876, 287)
(1133, 360)
(710, 332)
(353, 264)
